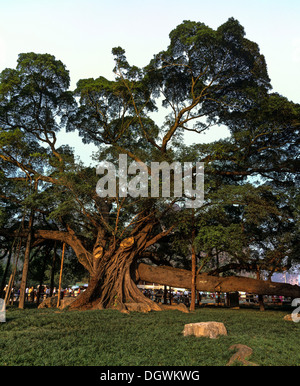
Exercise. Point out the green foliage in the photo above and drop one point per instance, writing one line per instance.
(205, 77)
(37, 94)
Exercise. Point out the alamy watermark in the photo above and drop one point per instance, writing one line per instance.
(188, 181)
(296, 312)
(2, 311)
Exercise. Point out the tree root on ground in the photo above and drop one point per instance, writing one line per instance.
(240, 355)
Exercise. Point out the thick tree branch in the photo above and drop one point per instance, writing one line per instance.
(182, 278)
(159, 236)
(84, 257)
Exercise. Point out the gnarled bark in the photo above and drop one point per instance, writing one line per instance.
(182, 278)
(111, 284)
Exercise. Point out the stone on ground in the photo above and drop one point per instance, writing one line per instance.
(207, 329)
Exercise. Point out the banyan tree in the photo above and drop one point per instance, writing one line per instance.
(109, 215)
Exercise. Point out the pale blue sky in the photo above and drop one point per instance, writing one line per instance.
(82, 33)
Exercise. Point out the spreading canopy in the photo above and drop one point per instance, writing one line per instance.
(204, 78)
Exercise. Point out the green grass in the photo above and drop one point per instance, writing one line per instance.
(47, 337)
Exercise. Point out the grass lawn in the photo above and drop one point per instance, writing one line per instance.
(48, 337)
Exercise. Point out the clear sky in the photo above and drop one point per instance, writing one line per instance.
(81, 33)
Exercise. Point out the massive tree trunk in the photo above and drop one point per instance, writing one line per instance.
(111, 269)
(113, 273)
(111, 284)
(183, 279)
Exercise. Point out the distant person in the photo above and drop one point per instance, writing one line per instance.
(31, 294)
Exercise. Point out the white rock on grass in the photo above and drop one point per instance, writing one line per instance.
(207, 329)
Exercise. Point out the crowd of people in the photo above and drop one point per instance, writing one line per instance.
(38, 294)
(175, 296)
(184, 296)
